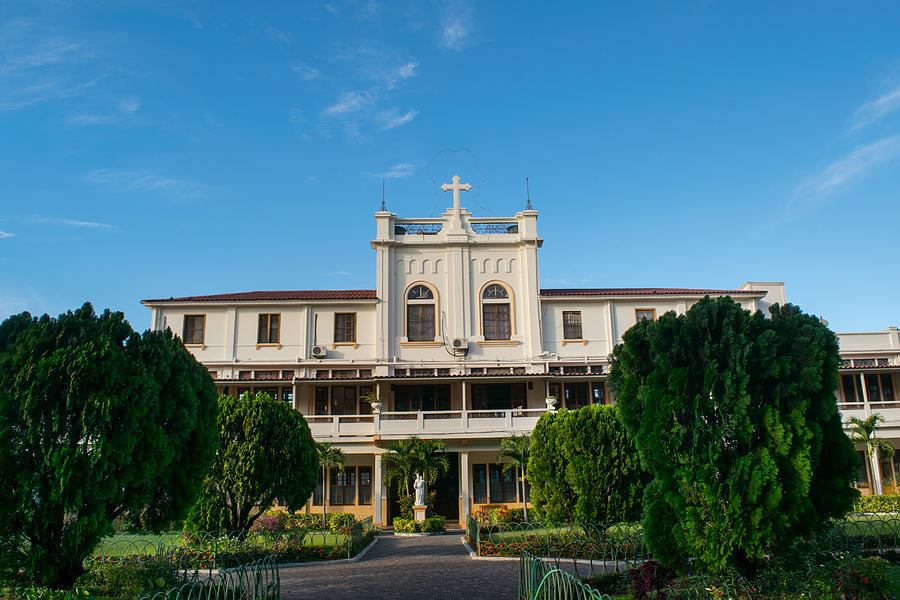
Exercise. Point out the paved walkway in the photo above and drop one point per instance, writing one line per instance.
(423, 568)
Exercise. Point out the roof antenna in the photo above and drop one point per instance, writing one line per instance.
(528, 195)
(383, 205)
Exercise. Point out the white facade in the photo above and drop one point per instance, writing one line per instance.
(458, 341)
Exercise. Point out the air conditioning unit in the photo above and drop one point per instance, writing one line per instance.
(319, 351)
(459, 344)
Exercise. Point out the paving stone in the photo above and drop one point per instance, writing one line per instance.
(435, 567)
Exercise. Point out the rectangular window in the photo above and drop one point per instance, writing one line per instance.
(342, 486)
(873, 388)
(577, 395)
(344, 328)
(193, 329)
(597, 393)
(267, 333)
(343, 400)
(420, 323)
(642, 314)
(503, 485)
(364, 407)
(319, 493)
(496, 321)
(479, 484)
(498, 396)
(887, 388)
(848, 383)
(572, 325)
(862, 474)
(321, 400)
(365, 485)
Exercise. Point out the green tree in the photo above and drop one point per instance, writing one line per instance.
(602, 466)
(731, 414)
(265, 452)
(552, 497)
(95, 421)
(864, 431)
(329, 457)
(515, 449)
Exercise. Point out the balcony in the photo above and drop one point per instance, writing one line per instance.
(451, 423)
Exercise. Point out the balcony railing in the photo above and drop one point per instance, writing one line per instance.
(425, 423)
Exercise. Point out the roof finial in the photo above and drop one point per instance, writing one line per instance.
(383, 205)
(528, 196)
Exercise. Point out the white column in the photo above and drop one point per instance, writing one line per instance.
(876, 466)
(377, 485)
(464, 493)
(464, 398)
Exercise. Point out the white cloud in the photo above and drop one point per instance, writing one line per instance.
(306, 72)
(341, 273)
(853, 166)
(393, 76)
(349, 102)
(398, 171)
(74, 223)
(454, 34)
(132, 181)
(129, 105)
(124, 111)
(37, 66)
(392, 118)
(6, 234)
(332, 9)
(876, 110)
(279, 36)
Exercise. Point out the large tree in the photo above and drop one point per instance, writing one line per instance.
(95, 421)
(734, 416)
(265, 453)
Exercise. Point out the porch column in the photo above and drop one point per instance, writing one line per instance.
(377, 485)
(876, 465)
(464, 494)
(464, 399)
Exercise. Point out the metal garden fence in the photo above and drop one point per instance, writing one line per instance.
(540, 579)
(590, 548)
(256, 580)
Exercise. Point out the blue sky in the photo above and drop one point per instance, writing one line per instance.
(158, 148)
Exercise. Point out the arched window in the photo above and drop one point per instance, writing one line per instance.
(495, 313)
(420, 314)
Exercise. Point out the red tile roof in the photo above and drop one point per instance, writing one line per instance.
(276, 295)
(642, 292)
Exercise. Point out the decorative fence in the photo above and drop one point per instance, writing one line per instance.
(222, 550)
(256, 580)
(543, 580)
(597, 549)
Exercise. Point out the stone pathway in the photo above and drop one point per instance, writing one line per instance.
(424, 568)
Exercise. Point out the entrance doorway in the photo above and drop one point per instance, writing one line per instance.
(446, 497)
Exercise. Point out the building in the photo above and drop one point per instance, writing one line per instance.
(458, 342)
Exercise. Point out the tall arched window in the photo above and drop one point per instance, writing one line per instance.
(495, 313)
(420, 314)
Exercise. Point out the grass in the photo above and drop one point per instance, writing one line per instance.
(124, 544)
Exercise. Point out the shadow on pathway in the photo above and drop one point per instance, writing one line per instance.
(423, 568)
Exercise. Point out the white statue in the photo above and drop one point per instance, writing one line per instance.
(420, 490)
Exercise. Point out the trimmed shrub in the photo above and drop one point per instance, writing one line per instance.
(304, 521)
(506, 515)
(341, 522)
(429, 525)
(884, 503)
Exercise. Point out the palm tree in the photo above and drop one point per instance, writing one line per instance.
(399, 465)
(864, 431)
(329, 458)
(405, 458)
(515, 449)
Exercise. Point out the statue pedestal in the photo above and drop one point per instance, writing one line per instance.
(420, 513)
